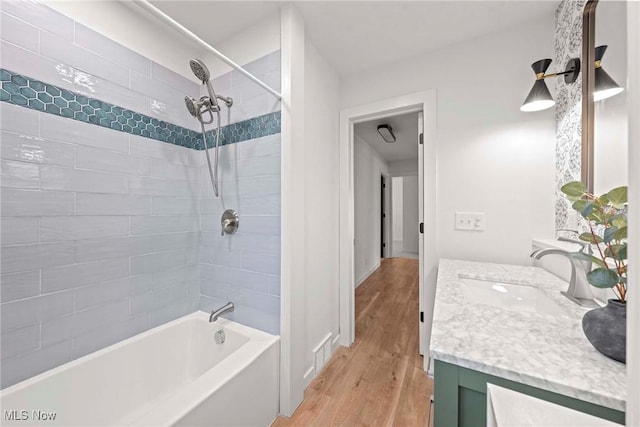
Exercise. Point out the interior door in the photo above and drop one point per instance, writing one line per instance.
(420, 130)
(383, 216)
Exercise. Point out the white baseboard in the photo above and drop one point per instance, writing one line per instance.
(367, 274)
(335, 343)
(308, 376)
(322, 353)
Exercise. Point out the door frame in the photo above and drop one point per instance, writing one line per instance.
(415, 102)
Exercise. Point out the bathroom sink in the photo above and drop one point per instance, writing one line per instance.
(520, 298)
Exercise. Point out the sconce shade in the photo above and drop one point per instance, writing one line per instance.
(604, 85)
(386, 133)
(539, 98)
(541, 66)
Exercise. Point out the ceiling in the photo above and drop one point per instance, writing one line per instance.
(215, 21)
(405, 128)
(354, 36)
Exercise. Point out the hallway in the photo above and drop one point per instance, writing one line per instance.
(379, 380)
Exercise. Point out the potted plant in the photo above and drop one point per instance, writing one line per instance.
(606, 218)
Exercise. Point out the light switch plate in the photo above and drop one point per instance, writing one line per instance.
(470, 221)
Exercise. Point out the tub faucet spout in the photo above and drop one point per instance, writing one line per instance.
(228, 307)
(579, 291)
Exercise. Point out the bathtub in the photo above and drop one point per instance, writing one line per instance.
(175, 374)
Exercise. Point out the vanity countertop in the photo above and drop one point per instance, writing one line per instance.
(550, 353)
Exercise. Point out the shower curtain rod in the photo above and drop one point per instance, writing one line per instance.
(160, 14)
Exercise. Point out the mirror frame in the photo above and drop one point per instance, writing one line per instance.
(588, 83)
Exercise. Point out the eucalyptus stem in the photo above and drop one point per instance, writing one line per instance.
(602, 257)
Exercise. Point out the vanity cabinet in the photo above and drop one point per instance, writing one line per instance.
(460, 397)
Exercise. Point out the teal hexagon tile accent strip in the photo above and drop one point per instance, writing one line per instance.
(256, 127)
(36, 95)
(30, 93)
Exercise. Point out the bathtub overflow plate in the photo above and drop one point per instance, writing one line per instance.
(220, 337)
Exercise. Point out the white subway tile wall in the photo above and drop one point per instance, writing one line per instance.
(249, 99)
(87, 256)
(104, 234)
(244, 267)
(43, 44)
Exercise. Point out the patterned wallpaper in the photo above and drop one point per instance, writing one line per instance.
(568, 44)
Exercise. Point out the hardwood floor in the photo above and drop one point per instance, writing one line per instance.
(379, 380)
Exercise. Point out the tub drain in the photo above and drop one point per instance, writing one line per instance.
(220, 337)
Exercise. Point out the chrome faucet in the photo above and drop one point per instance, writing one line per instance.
(579, 291)
(228, 307)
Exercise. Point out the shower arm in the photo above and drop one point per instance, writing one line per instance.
(228, 101)
(181, 28)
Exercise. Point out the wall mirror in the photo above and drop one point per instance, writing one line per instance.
(604, 127)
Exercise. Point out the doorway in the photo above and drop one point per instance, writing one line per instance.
(349, 118)
(405, 216)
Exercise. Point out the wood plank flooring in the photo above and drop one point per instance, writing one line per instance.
(379, 380)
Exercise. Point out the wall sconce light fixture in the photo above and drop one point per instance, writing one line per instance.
(604, 85)
(539, 97)
(386, 133)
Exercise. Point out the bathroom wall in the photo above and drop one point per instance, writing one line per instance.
(368, 168)
(249, 99)
(492, 157)
(249, 44)
(132, 26)
(245, 267)
(404, 167)
(322, 327)
(99, 225)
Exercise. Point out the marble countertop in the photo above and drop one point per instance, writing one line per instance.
(551, 353)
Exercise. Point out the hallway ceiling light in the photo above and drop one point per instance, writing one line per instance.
(386, 133)
(539, 97)
(604, 86)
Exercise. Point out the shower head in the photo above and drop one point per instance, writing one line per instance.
(202, 73)
(200, 70)
(192, 105)
(198, 107)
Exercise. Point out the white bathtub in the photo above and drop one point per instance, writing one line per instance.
(174, 374)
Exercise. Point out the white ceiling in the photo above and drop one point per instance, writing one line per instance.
(359, 35)
(355, 36)
(215, 21)
(405, 128)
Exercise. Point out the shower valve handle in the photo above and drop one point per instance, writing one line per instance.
(227, 224)
(230, 222)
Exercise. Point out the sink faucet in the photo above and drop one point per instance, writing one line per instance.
(578, 291)
(228, 307)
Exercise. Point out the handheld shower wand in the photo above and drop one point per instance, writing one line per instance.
(202, 73)
(207, 104)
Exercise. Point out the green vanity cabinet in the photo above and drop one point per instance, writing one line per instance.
(460, 397)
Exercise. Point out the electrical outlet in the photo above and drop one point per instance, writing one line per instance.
(470, 221)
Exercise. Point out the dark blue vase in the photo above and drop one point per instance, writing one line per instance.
(606, 329)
